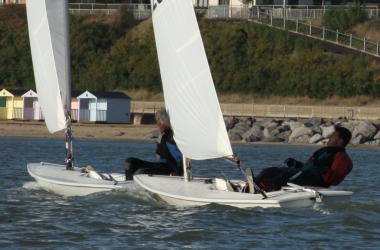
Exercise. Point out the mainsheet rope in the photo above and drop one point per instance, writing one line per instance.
(91, 159)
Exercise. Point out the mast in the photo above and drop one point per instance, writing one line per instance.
(67, 106)
(187, 170)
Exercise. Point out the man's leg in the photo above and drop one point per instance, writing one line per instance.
(311, 177)
(134, 164)
(272, 179)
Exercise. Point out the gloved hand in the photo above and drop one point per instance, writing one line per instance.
(290, 162)
(321, 166)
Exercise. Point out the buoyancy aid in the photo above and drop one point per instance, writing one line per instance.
(327, 159)
(167, 151)
(333, 167)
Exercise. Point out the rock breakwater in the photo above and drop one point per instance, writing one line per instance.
(314, 130)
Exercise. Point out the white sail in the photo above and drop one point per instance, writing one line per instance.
(190, 96)
(48, 28)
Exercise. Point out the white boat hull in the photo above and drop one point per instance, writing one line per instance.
(178, 192)
(55, 178)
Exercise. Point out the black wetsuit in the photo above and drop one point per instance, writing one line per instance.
(168, 159)
(272, 179)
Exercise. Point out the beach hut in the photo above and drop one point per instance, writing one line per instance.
(109, 107)
(31, 106)
(11, 103)
(75, 104)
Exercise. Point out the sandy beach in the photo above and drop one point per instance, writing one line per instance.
(99, 131)
(35, 129)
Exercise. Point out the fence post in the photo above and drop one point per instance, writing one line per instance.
(350, 40)
(323, 33)
(364, 44)
(258, 13)
(271, 19)
(310, 29)
(377, 50)
(297, 26)
(337, 34)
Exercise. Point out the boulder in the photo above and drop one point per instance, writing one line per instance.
(342, 119)
(357, 140)
(377, 136)
(240, 129)
(302, 138)
(249, 121)
(293, 124)
(251, 138)
(365, 128)
(373, 142)
(300, 134)
(348, 125)
(322, 142)
(234, 136)
(272, 139)
(256, 131)
(271, 131)
(314, 121)
(327, 129)
(266, 123)
(284, 136)
(316, 129)
(316, 138)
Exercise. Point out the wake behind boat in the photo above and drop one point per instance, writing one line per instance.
(48, 25)
(200, 133)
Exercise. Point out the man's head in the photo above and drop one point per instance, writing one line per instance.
(162, 119)
(340, 137)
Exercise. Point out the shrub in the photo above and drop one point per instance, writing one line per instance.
(344, 18)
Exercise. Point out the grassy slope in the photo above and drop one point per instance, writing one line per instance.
(369, 30)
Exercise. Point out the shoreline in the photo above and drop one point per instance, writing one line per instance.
(105, 131)
(88, 131)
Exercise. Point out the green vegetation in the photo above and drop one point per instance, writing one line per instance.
(119, 53)
(342, 18)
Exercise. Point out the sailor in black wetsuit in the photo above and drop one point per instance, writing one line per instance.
(168, 157)
(325, 167)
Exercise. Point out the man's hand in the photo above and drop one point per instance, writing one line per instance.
(292, 163)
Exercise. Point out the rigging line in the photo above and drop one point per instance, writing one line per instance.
(92, 159)
(225, 176)
(256, 186)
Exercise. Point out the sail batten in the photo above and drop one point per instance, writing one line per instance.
(48, 35)
(190, 96)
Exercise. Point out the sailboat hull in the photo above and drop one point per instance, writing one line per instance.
(178, 192)
(55, 178)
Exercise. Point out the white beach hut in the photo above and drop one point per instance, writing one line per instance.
(108, 107)
(31, 109)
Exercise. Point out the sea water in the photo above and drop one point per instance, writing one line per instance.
(132, 218)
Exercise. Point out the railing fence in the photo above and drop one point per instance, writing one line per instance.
(276, 111)
(324, 34)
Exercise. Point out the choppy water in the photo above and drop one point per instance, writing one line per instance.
(134, 219)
